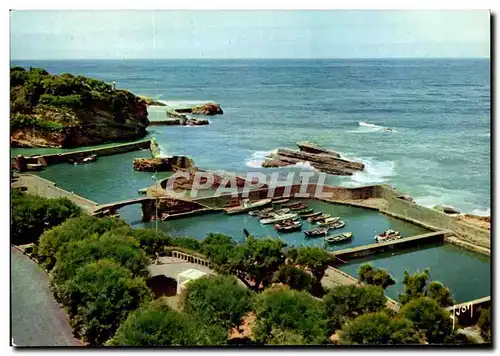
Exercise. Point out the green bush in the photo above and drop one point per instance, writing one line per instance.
(151, 241)
(187, 243)
(376, 276)
(157, 325)
(32, 215)
(379, 329)
(484, 324)
(218, 300)
(18, 121)
(100, 296)
(74, 230)
(294, 277)
(428, 316)
(289, 311)
(72, 101)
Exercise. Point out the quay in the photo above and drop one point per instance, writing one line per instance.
(405, 242)
(42, 187)
(20, 162)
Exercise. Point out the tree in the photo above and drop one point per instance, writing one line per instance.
(219, 248)
(315, 259)
(100, 296)
(188, 243)
(289, 311)
(259, 258)
(157, 325)
(349, 301)
(294, 277)
(437, 291)
(32, 215)
(74, 230)
(379, 329)
(217, 300)
(427, 315)
(484, 323)
(418, 286)
(376, 276)
(151, 241)
(121, 249)
(414, 285)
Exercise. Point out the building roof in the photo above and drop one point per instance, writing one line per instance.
(192, 274)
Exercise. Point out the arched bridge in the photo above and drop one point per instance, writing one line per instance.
(119, 204)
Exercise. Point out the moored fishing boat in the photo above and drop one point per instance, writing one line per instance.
(321, 231)
(277, 218)
(87, 159)
(260, 212)
(338, 238)
(290, 204)
(333, 225)
(328, 221)
(314, 219)
(280, 200)
(247, 206)
(388, 235)
(305, 211)
(311, 215)
(299, 206)
(288, 226)
(281, 211)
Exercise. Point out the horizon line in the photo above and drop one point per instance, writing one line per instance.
(239, 58)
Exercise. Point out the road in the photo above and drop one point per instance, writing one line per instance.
(36, 318)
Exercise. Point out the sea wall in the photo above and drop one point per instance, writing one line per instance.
(20, 162)
(433, 218)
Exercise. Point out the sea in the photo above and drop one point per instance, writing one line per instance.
(439, 149)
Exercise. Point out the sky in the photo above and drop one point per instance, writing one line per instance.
(144, 34)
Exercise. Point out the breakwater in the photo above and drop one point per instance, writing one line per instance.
(20, 162)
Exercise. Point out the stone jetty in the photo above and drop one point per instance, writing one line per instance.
(322, 159)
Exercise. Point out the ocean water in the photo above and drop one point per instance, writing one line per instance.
(439, 151)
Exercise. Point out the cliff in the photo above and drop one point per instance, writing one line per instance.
(70, 111)
(322, 159)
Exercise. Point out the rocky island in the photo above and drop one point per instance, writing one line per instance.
(70, 111)
(322, 159)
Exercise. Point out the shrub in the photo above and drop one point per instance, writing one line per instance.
(151, 241)
(72, 101)
(217, 300)
(157, 325)
(289, 310)
(376, 276)
(32, 215)
(379, 329)
(296, 278)
(187, 243)
(74, 230)
(484, 324)
(100, 296)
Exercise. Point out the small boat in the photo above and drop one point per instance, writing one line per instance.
(328, 221)
(311, 215)
(281, 211)
(261, 212)
(87, 159)
(299, 206)
(290, 204)
(288, 226)
(34, 166)
(334, 225)
(388, 235)
(322, 231)
(318, 218)
(305, 211)
(280, 200)
(247, 206)
(338, 238)
(278, 218)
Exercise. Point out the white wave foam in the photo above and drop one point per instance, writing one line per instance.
(256, 159)
(375, 172)
(372, 127)
(481, 212)
(304, 166)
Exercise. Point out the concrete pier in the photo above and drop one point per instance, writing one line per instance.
(405, 242)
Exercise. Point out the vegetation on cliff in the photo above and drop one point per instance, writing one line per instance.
(79, 110)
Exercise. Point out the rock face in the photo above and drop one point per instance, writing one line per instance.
(164, 164)
(70, 111)
(186, 121)
(322, 159)
(207, 109)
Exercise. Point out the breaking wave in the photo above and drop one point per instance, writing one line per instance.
(481, 212)
(256, 159)
(304, 166)
(372, 127)
(375, 172)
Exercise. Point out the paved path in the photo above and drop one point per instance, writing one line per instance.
(36, 318)
(45, 188)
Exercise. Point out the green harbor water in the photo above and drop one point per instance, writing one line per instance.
(363, 223)
(466, 273)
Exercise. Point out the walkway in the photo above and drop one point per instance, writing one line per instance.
(45, 188)
(36, 318)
